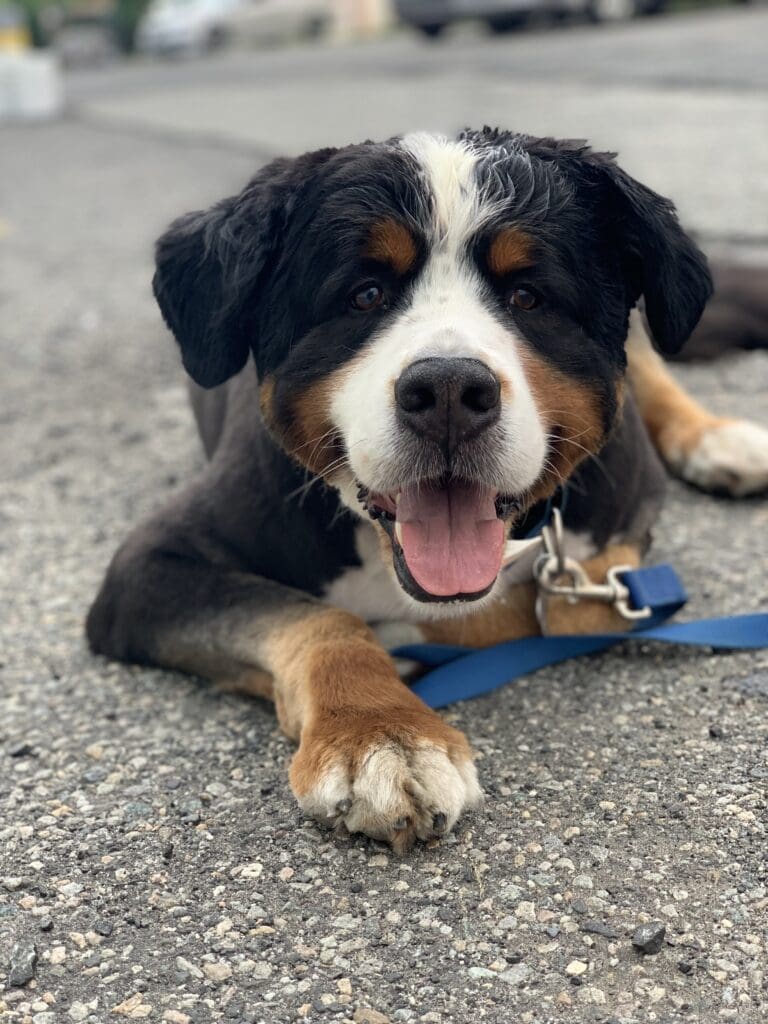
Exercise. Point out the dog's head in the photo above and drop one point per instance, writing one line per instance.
(438, 325)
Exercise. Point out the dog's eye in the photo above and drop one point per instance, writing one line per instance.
(524, 298)
(367, 298)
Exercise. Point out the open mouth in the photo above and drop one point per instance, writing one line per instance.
(447, 536)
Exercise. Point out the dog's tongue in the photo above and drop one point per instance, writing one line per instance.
(452, 540)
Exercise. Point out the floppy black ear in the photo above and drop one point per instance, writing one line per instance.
(661, 262)
(213, 268)
(208, 270)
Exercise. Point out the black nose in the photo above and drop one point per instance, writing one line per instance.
(447, 400)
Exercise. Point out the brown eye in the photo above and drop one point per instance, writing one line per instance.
(524, 298)
(367, 298)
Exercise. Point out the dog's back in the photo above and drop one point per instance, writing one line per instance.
(737, 314)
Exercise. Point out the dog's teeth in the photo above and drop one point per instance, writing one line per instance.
(399, 532)
(398, 496)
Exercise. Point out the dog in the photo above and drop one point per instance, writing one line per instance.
(398, 353)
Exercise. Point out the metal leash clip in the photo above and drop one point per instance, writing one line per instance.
(553, 564)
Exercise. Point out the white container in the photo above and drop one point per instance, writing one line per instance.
(31, 86)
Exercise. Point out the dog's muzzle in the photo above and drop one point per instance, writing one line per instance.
(446, 521)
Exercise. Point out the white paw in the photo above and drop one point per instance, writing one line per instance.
(394, 790)
(730, 457)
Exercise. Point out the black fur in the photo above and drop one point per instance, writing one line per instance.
(629, 227)
(269, 271)
(262, 271)
(268, 274)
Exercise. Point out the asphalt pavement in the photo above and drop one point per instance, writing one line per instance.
(153, 864)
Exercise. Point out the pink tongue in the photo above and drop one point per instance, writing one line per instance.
(451, 537)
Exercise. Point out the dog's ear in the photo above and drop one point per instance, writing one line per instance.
(660, 261)
(209, 266)
(213, 268)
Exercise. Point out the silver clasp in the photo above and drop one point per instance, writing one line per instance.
(553, 565)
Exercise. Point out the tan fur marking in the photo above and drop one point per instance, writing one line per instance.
(675, 421)
(353, 681)
(252, 682)
(509, 251)
(309, 435)
(392, 243)
(266, 398)
(306, 432)
(716, 453)
(573, 417)
(290, 649)
(338, 692)
(511, 617)
(290, 644)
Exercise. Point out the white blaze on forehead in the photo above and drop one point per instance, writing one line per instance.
(450, 171)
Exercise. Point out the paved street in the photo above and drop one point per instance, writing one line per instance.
(682, 99)
(152, 862)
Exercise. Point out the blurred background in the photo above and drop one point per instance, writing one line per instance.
(89, 31)
(678, 87)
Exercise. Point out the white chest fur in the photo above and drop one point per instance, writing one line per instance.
(369, 590)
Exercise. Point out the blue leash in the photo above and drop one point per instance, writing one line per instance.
(460, 673)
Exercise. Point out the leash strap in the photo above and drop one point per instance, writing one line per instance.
(460, 673)
(657, 587)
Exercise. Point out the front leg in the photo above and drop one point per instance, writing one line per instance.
(372, 757)
(716, 453)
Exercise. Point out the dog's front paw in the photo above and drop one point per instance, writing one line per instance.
(730, 456)
(395, 776)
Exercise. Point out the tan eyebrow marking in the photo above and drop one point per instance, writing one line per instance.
(391, 242)
(510, 250)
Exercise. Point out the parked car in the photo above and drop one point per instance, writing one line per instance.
(82, 41)
(196, 26)
(183, 26)
(432, 16)
(263, 21)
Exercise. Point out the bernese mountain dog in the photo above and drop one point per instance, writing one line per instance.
(398, 353)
